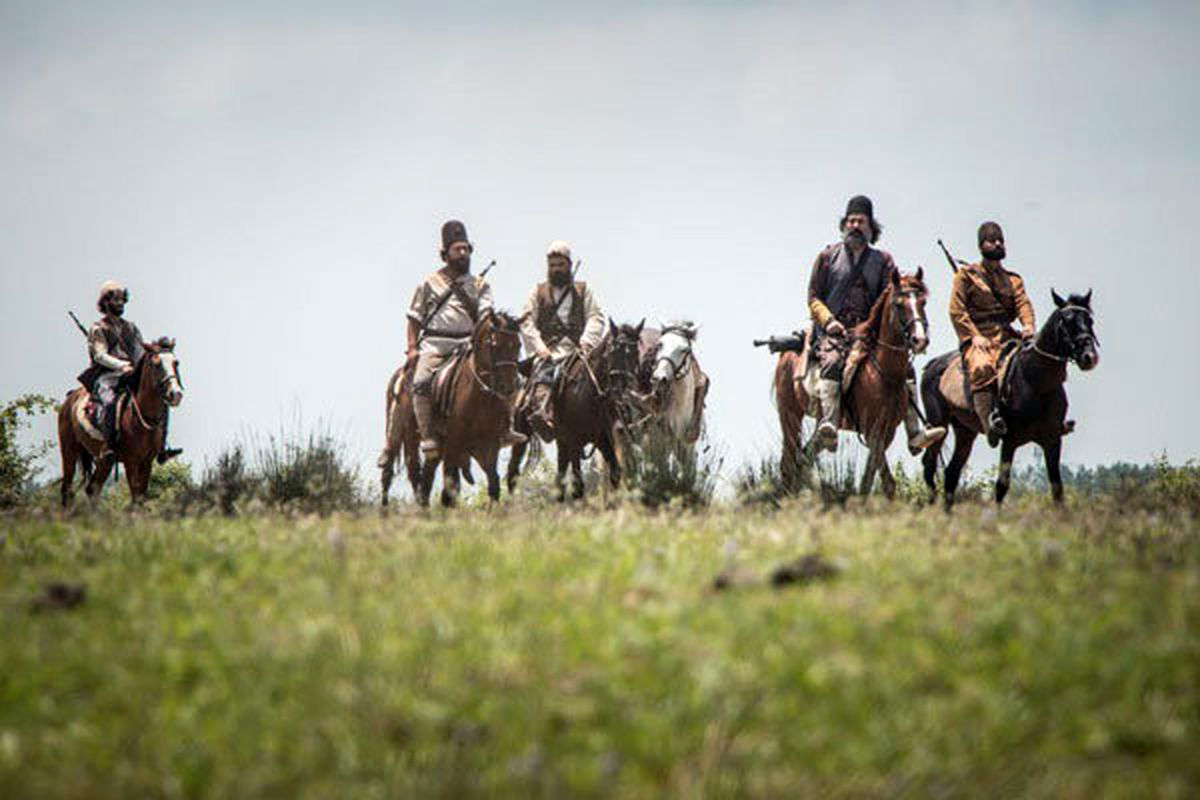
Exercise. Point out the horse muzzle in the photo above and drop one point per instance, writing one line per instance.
(1088, 359)
(174, 397)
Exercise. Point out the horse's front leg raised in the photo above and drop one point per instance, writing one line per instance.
(1052, 450)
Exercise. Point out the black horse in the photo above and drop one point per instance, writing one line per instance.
(1033, 401)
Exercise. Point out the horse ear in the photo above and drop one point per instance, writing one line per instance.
(612, 327)
(1058, 301)
(640, 325)
(920, 273)
(1087, 299)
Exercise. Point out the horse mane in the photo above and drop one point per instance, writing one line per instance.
(868, 329)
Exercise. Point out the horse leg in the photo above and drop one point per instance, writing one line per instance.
(450, 484)
(385, 478)
(428, 472)
(868, 478)
(1004, 474)
(99, 476)
(514, 465)
(67, 449)
(963, 439)
(560, 477)
(929, 460)
(488, 462)
(886, 477)
(605, 446)
(1052, 450)
(577, 474)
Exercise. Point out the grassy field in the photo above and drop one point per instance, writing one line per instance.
(539, 652)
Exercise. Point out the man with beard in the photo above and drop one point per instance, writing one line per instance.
(847, 278)
(115, 347)
(561, 317)
(985, 299)
(442, 316)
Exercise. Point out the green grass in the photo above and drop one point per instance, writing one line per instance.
(525, 653)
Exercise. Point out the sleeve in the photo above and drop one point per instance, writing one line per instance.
(137, 344)
(596, 322)
(98, 350)
(960, 318)
(416, 309)
(816, 290)
(486, 302)
(1024, 307)
(531, 337)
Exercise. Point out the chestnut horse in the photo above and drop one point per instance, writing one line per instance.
(141, 425)
(1034, 403)
(592, 406)
(480, 402)
(876, 401)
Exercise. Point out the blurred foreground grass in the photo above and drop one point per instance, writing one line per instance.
(1034, 652)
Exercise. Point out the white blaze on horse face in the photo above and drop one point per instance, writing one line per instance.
(920, 336)
(170, 378)
(674, 349)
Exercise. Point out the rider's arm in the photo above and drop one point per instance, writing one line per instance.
(1024, 307)
(816, 290)
(596, 322)
(531, 337)
(486, 302)
(960, 317)
(416, 310)
(98, 350)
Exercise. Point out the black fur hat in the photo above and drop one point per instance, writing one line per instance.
(990, 230)
(453, 231)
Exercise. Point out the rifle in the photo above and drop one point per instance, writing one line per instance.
(793, 343)
(955, 263)
(78, 324)
(441, 301)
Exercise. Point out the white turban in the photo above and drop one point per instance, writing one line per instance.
(559, 248)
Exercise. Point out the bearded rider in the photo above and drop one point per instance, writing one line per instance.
(561, 317)
(442, 316)
(847, 278)
(985, 300)
(115, 347)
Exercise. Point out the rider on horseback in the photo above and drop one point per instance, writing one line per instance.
(984, 301)
(444, 311)
(561, 317)
(847, 278)
(115, 346)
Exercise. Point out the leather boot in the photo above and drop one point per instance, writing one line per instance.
(423, 411)
(989, 416)
(829, 392)
(542, 415)
(512, 438)
(919, 437)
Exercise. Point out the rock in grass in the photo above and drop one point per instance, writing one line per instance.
(812, 567)
(59, 597)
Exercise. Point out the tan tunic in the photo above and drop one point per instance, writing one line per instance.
(594, 326)
(453, 321)
(984, 302)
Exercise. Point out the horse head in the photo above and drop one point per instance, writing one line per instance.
(159, 372)
(907, 295)
(497, 346)
(673, 359)
(622, 357)
(1070, 332)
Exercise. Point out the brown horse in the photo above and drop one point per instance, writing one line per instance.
(480, 398)
(1034, 401)
(875, 403)
(592, 406)
(141, 424)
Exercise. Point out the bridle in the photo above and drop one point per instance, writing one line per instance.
(905, 331)
(1075, 343)
(485, 376)
(677, 370)
(163, 385)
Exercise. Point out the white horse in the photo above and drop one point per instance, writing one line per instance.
(677, 386)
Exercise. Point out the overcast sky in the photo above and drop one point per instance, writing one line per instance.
(269, 180)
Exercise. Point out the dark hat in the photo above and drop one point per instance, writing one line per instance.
(990, 230)
(453, 231)
(860, 204)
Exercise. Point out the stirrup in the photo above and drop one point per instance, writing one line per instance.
(167, 454)
(511, 438)
(927, 438)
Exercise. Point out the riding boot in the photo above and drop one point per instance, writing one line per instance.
(829, 393)
(542, 416)
(423, 411)
(919, 437)
(512, 438)
(167, 453)
(989, 416)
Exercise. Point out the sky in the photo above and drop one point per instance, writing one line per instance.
(270, 179)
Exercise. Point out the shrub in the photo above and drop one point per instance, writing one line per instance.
(308, 472)
(660, 471)
(18, 466)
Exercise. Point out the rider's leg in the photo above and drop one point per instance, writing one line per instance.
(106, 393)
(829, 393)
(919, 437)
(542, 415)
(167, 453)
(983, 390)
(427, 363)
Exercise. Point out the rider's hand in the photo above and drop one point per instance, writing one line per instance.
(835, 328)
(543, 353)
(126, 370)
(1027, 333)
(410, 354)
(981, 342)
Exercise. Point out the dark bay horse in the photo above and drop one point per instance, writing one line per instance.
(876, 402)
(1033, 399)
(479, 402)
(592, 406)
(141, 425)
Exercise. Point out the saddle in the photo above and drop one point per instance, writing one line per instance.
(87, 410)
(955, 384)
